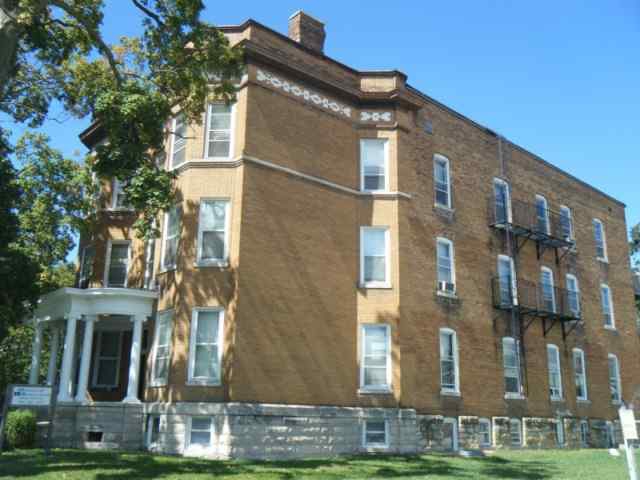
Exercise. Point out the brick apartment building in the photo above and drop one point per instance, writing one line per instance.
(350, 266)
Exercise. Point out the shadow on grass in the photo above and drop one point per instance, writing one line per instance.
(128, 466)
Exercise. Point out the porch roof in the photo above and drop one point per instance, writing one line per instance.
(74, 302)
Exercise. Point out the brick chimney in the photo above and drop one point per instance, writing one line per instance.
(307, 31)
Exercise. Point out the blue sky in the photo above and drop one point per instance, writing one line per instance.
(561, 79)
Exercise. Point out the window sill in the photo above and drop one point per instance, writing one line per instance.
(119, 210)
(375, 391)
(514, 396)
(584, 401)
(214, 264)
(616, 402)
(375, 286)
(158, 385)
(204, 383)
(444, 208)
(442, 293)
(168, 269)
(375, 448)
(450, 393)
(557, 399)
(611, 329)
(602, 260)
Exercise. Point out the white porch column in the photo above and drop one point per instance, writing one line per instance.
(36, 351)
(53, 354)
(64, 395)
(85, 361)
(134, 360)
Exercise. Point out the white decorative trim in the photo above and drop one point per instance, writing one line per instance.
(308, 95)
(375, 116)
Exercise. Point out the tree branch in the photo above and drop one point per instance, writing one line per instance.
(148, 12)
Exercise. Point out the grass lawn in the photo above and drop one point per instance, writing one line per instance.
(527, 465)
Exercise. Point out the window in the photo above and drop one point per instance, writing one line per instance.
(205, 352)
(614, 379)
(374, 257)
(584, 433)
(580, 371)
(600, 239)
(566, 223)
(573, 295)
(607, 307)
(547, 290)
(375, 434)
(178, 141)
(450, 434)
(611, 435)
(511, 361)
(449, 361)
(200, 432)
(118, 197)
(442, 181)
(219, 131)
(153, 430)
(446, 266)
(375, 364)
(559, 432)
(502, 201)
(555, 373)
(374, 164)
(213, 231)
(86, 266)
(515, 431)
(507, 281)
(106, 369)
(542, 215)
(484, 433)
(171, 234)
(161, 348)
(117, 264)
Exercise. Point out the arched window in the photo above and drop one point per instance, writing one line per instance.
(442, 181)
(449, 371)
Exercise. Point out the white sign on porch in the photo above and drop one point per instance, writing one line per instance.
(628, 422)
(31, 396)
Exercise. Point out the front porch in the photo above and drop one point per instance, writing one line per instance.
(104, 335)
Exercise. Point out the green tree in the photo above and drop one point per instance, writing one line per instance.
(634, 245)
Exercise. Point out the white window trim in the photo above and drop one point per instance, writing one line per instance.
(366, 445)
(583, 375)
(386, 166)
(570, 217)
(584, 440)
(514, 280)
(520, 433)
(96, 361)
(519, 394)
(381, 388)
(441, 158)
(195, 449)
(456, 362)
(115, 186)
(205, 381)
(83, 275)
(107, 264)
(546, 213)
(556, 352)
(453, 263)
(454, 431)
(215, 262)
(553, 286)
(387, 254)
(610, 300)
(161, 382)
(568, 277)
(487, 422)
(619, 400)
(148, 433)
(561, 440)
(232, 134)
(165, 226)
(173, 141)
(508, 190)
(605, 258)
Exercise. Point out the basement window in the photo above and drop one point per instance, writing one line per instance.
(375, 434)
(94, 437)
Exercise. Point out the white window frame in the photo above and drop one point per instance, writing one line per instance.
(85, 276)
(205, 381)
(385, 142)
(456, 362)
(514, 281)
(618, 400)
(216, 262)
(387, 254)
(514, 342)
(580, 377)
(107, 265)
(174, 121)
(437, 158)
(508, 190)
(165, 229)
(97, 358)
(232, 132)
(553, 350)
(597, 221)
(118, 186)
(375, 388)
(194, 448)
(149, 433)
(454, 431)
(604, 287)
(452, 266)
(517, 421)
(365, 424)
(546, 213)
(564, 208)
(483, 444)
(560, 437)
(544, 270)
(161, 382)
(584, 433)
(568, 279)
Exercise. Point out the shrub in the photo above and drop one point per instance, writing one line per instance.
(20, 429)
